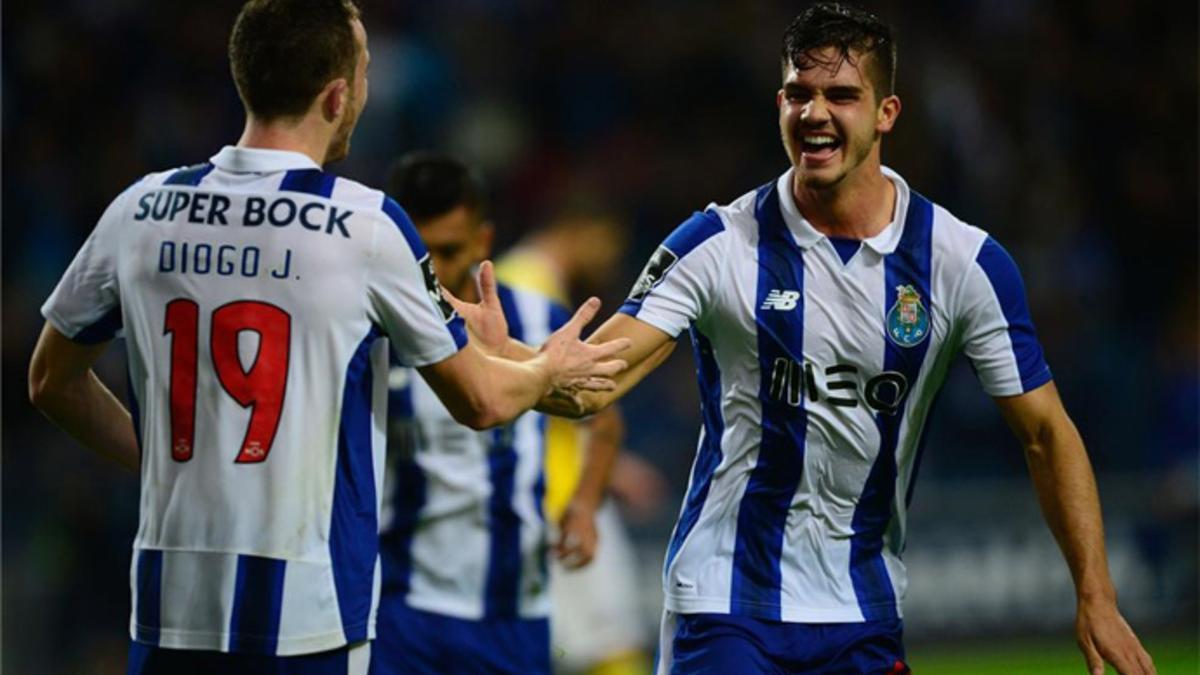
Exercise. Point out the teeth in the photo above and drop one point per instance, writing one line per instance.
(820, 140)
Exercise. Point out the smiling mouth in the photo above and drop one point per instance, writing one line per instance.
(819, 146)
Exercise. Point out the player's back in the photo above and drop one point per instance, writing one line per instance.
(252, 290)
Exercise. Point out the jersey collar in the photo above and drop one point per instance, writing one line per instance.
(807, 236)
(260, 160)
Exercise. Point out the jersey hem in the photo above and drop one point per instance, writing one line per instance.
(787, 614)
(202, 640)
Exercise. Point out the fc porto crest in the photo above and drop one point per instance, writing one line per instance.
(908, 320)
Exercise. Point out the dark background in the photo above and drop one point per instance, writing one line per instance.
(1068, 130)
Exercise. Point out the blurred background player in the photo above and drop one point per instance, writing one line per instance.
(596, 624)
(824, 309)
(253, 290)
(465, 584)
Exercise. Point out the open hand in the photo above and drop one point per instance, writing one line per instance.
(1104, 636)
(577, 365)
(485, 319)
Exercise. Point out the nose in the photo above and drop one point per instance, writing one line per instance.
(815, 112)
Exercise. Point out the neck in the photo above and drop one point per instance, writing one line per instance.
(279, 135)
(859, 206)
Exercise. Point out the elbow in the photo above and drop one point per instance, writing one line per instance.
(41, 393)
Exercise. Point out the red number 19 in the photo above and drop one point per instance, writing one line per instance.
(260, 387)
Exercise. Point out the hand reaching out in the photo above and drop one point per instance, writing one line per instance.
(580, 366)
(1104, 636)
(485, 319)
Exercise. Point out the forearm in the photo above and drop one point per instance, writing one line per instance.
(1066, 488)
(510, 387)
(605, 434)
(90, 413)
(587, 403)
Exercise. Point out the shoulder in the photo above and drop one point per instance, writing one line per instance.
(956, 243)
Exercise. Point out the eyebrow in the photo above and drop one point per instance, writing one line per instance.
(793, 87)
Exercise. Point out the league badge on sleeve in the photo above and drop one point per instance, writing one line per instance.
(658, 266)
(908, 320)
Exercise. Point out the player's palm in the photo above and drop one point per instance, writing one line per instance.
(576, 365)
(485, 319)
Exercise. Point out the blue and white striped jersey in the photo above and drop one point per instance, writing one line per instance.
(464, 534)
(253, 291)
(818, 361)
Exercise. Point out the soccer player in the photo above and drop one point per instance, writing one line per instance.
(464, 539)
(824, 308)
(253, 290)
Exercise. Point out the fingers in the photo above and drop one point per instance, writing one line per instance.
(578, 384)
(456, 303)
(487, 285)
(604, 350)
(573, 551)
(1094, 663)
(586, 312)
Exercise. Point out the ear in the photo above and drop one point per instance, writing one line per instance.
(779, 98)
(334, 98)
(885, 117)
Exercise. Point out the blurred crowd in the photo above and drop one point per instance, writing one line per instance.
(1068, 130)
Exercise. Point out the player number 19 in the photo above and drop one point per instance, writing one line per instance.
(260, 387)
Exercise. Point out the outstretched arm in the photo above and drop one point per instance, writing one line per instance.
(1066, 488)
(648, 348)
(482, 390)
(63, 386)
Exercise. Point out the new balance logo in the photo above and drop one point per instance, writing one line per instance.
(781, 300)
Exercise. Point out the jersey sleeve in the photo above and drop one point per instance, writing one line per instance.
(679, 281)
(406, 299)
(86, 304)
(998, 333)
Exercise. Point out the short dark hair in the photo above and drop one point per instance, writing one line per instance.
(429, 184)
(850, 31)
(283, 52)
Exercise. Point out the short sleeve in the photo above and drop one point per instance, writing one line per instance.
(998, 333)
(406, 298)
(678, 282)
(86, 304)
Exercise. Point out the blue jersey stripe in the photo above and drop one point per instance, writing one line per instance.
(409, 493)
(504, 547)
(508, 304)
(683, 240)
(309, 181)
(762, 516)
(405, 225)
(257, 605)
(148, 621)
(1006, 282)
(191, 175)
(708, 456)
(101, 330)
(909, 265)
(353, 531)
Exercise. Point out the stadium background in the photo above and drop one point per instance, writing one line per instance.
(1069, 130)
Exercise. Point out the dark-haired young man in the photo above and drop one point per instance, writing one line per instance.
(253, 290)
(824, 308)
(465, 539)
